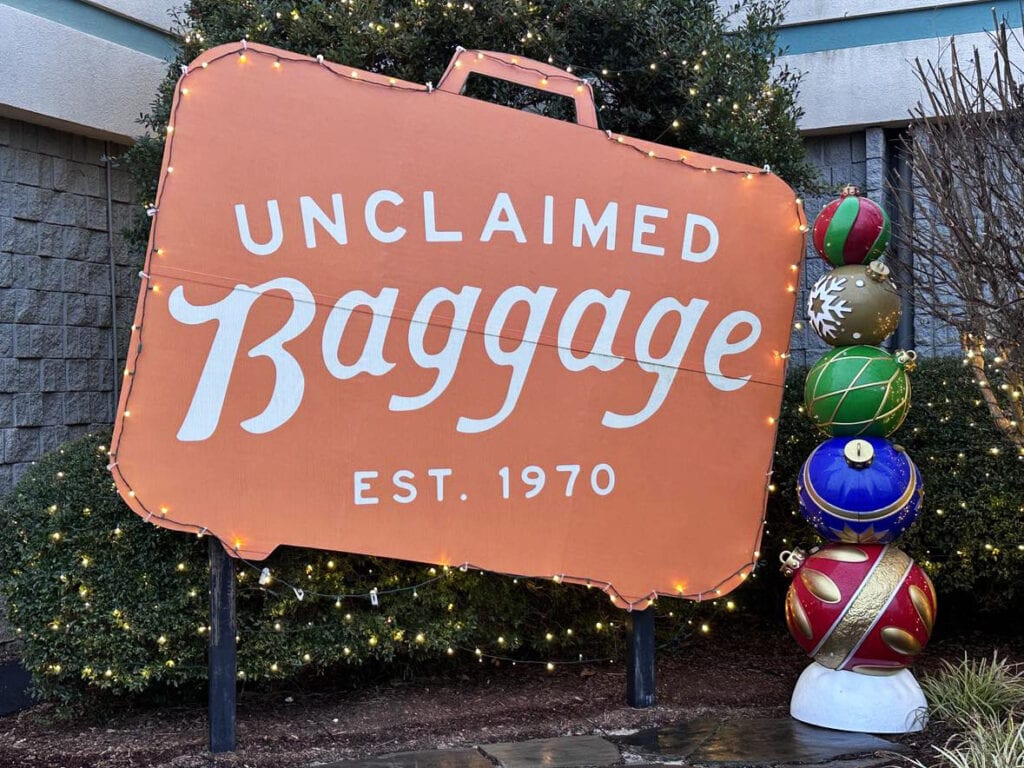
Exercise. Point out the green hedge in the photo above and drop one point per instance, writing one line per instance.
(91, 587)
(105, 602)
(969, 537)
(661, 69)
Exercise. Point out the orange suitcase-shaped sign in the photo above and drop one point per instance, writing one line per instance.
(385, 318)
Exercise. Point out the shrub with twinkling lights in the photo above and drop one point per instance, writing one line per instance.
(969, 537)
(104, 601)
(662, 70)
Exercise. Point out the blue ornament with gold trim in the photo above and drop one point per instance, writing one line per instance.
(860, 490)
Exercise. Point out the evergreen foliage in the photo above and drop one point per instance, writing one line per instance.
(679, 72)
(968, 537)
(104, 601)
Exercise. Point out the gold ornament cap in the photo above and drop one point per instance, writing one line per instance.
(906, 358)
(850, 190)
(878, 271)
(792, 561)
(859, 453)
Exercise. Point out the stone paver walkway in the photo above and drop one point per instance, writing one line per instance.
(760, 741)
(778, 742)
(564, 752)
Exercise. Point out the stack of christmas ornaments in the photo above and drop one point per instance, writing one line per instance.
(860, 607)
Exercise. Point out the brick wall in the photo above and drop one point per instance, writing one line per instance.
(56, 365)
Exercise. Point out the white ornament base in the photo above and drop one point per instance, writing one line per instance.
(850, 701)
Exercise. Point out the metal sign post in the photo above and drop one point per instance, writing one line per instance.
(222, 661)
(640, 659)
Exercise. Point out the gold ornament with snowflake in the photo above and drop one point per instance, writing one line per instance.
(856, 304)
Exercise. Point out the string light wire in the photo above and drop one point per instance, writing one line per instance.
(380, 81)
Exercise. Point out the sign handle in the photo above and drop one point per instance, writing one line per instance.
(640, 659)
(222, 651)
(522, 71)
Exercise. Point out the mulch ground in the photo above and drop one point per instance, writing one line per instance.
(749, 674)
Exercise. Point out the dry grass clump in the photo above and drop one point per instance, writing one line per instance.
(963, 692)
(987, 742)
(985, 701)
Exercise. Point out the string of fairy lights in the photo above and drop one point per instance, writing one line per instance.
(277, 624)
(702, 65)
(267, 580)
(277, 59)
(482, 652)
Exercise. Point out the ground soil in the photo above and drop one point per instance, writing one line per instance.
(749, 674)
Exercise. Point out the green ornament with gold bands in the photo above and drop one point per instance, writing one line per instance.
(859, 390)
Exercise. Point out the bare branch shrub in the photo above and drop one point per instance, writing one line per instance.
(967, 235)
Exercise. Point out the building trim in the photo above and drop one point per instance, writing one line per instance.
(897, 26)
(102, 23)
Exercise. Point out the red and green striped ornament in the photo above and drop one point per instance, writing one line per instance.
(851, 230)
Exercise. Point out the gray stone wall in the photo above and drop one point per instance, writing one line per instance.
(840, 160)
(858, 158)
(56, 340)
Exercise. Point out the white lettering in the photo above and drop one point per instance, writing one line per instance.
(694, 220)
(641, 227)
(370, 215)
(518, 359)
(549, 219)
(371, 360)
(400, 479)
(360, 486)
(439, 474)
(665, 367)
(276, 230)
(231, 313)
(600, 355)
(431, 232)
(606, 224)
(502, 218)
(719, 346)
(446, 361)
(311, 212)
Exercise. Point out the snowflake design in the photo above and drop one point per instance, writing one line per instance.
(825, 308)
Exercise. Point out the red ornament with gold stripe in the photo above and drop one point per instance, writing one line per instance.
(851, 230)
(865, 608)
